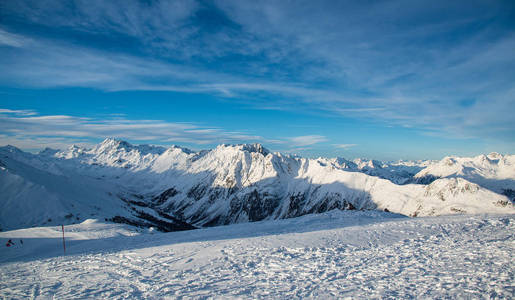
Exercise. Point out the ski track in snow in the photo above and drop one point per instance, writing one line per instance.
(323, 256)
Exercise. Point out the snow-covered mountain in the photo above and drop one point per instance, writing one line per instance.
(494, 171)
(400, 172)
(177, 188)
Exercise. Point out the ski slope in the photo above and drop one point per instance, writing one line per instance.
(337, 254)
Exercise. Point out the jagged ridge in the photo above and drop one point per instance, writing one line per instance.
(240, 183)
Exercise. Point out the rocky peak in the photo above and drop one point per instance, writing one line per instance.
(253, 148)
(174, 148)
(256, 147)
(48, 152)
(10, 149)
(112, 143)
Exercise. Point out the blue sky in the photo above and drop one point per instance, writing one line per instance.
(377, 79)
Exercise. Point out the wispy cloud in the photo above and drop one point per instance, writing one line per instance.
(397, 56)
(22, 112)
(344, 146)
(307, 140)
(29, 130)
(393, 63)
(31, 143)
(12, 40)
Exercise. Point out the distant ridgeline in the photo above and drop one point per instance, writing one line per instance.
(179, 189)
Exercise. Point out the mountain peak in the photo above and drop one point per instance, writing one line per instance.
(48, 152)
(10, 149)
(110, 144)
(255, 147)
(494, 155)
(182, 149)
(114, 142)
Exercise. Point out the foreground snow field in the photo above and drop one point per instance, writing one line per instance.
(330, 255)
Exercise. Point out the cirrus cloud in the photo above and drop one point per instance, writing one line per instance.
(447, 68)
(29, 130)
(344, 146)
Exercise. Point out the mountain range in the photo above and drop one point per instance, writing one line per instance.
(178, 189)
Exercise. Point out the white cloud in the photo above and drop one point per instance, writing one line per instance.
(22, 112)
(386, 64)
(404, 69)
(34, 144)
(344, 146)
(36, 131)
(130, 17)
(307, 140)
(12, 40)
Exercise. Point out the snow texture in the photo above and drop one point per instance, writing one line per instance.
(336, 254)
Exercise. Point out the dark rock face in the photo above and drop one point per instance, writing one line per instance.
(510, 194)
(197, 192)
(330, 203)
(257, 148)
(124, 220)
(158, 219)
(296, 205)
(215, 194)
(425, 180)
(249, 204)
(166, 223)
(161, 198)
(259, 206)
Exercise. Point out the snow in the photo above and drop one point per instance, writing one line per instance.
(235, 184)
(494, 171)
(337, 254)
(39, 193)
(295, 227)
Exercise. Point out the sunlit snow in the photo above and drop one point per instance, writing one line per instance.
(335, 254)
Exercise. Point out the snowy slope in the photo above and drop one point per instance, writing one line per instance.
(494, 171)
(40, 190)
(399, 172)
(32, 196)
(334, 255)
(146, 185)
